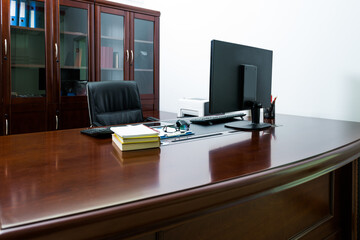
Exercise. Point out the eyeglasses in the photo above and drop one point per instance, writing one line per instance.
(179, 126)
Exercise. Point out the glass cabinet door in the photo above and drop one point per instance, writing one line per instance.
(112, 47)
(73, 50)
(27, 49)
(144, 55)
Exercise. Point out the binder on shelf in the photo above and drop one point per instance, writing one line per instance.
(116, 60)
(14, 12)
(80, 45)
(22, 14)
(102, 59)
(107, 50)
(32, 14)
(110, 57)
(107, 57)
(78, 55)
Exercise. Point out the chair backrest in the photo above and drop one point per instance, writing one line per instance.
(113, 102)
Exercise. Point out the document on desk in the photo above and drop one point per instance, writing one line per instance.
(134, 131)
(171, 132)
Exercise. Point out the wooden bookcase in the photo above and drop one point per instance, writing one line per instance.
(48, 58)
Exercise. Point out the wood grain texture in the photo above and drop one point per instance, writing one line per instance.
(64, 184)
(310, 202)
(127, 7)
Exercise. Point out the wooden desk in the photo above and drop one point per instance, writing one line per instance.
(295, 180)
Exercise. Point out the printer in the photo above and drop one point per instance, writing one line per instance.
(197, 107)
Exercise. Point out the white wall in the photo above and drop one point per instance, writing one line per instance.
(316, 44)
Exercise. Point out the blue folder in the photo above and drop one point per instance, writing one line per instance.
(32, 14)
(23, 14)
(14, 10)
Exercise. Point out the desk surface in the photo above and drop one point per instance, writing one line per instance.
(51, 176)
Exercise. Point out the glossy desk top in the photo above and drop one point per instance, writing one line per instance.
(54, 174)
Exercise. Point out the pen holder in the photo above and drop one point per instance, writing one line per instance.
(269, 113)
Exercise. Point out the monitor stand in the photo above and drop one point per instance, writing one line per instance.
(254, 125)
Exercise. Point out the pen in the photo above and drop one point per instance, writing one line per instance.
(201, 136)
(273, 102)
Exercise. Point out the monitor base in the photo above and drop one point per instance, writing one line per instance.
(241, 125)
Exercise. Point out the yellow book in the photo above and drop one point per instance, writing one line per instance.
(137, 139)
(134, 146)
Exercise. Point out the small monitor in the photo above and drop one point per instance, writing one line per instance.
(240, 79)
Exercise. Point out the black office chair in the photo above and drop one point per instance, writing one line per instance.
(114, 102)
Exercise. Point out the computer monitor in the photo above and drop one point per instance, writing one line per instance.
(240, 79)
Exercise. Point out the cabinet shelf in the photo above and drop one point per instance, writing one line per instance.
(28, 65)
(27, 29)
(143, 70)
(143, 41)
(112, 69)
(112, 38)
(74, 33)
(72, 67)
(24, 96)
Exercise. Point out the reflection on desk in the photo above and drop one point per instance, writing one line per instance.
(294, 180)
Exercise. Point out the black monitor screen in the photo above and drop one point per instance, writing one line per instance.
(229, 89)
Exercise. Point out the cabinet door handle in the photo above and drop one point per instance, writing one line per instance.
(127, 55)
(6, 127)
(56, 50)
(56, 122)
(5, 45)
(132, 57)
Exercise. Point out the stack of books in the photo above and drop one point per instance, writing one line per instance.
(135, 137)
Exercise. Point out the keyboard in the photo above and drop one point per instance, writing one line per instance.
(213, 119)
(98, 132)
